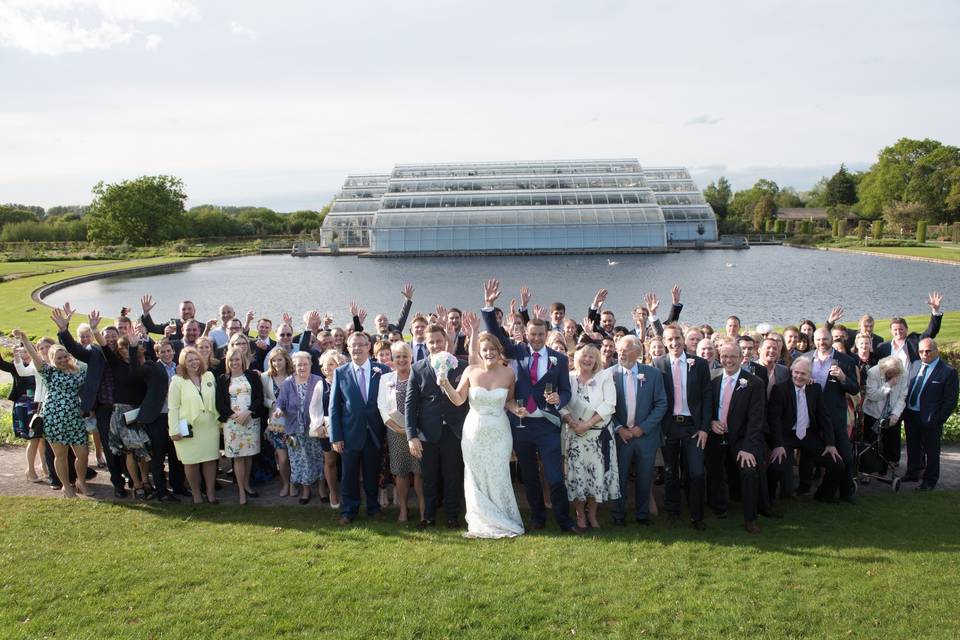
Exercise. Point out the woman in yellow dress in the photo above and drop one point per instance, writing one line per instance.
(193, 398)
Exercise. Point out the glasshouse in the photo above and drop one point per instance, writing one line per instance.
(515, 207)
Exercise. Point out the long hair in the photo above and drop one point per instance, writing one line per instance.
(182, 362)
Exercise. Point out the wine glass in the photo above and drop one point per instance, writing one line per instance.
(547, 389)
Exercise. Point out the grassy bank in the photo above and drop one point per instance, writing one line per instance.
(120, 570)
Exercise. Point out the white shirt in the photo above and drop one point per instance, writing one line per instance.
(902, 354)
(683, 380)
(541, 363)
(415, 347)
(726, 379)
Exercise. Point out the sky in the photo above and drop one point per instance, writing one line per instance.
(274, 103)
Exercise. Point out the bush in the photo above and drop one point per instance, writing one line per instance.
(862, 230)
(922, 231)
(877, 231)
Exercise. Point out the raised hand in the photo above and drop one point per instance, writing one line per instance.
(588, 327)
(835, 314)
(142, 330)
(67, 309)
(675, 294)
(470, 322)
(313, 320)
(352, 308)
(250, 316)
(934, 300)
(652, 302)
(94, 317)
(539, 312)
(60, 319)
(441, 313)
(147, 304)
(407, 291)
(286, 318)
(599, 299)
(327, 320)
(491, 291)
(169, 330)
(19, 335)
(513, 306)
(525, 297)
(362, 315)
(211, 325)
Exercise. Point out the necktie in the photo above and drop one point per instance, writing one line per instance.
(725, 399)
(803, 417)
(630, 394)
(363, 383)
(420, 354)
(918, 386)
(534, 366)
(677, 388)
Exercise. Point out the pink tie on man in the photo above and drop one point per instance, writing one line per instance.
(630, 395)
(534, 367)
(677, 388)
(725, 399)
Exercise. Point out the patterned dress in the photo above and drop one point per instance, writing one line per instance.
(591, 456)
(62, 421)
(274, 432)
(306, 453)
(240, 440)
(401, 462)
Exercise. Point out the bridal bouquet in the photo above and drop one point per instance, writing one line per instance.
(442, 363)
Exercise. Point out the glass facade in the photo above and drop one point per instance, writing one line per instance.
(519, 206)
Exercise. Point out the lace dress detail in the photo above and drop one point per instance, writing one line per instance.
(487, 443)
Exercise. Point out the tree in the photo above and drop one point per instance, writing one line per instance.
(14, 213)
(817, 196)
(788, 199)
(766, 187)
(914, 171)
(765, 209)
(141, 211)
(904, 215)
(718, 196)
(841, 189)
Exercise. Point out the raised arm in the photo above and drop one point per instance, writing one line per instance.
(676, 307)
(147, 304)
(407, 292)
(459, 395)
(28, 346)
(491, 291)
(936, 317)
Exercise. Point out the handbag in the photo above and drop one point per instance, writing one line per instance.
(23, 415)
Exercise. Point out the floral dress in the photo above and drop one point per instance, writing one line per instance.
(62, 421)
(591, 456)
(240, 440)
(401, 461)
(306, 453)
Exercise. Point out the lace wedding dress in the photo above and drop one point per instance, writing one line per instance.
(487, 443)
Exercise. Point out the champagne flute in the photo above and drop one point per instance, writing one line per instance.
(547, 389)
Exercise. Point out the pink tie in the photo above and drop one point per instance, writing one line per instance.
(531, 401)
(725, 400)
(630, 394)
(677, 388)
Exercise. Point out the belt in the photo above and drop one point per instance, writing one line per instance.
(682, 419)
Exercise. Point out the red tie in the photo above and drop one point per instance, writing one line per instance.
(531, 401)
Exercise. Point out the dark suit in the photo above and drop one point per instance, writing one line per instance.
(745, 426)
(782, 421)
(153, 327)
(357, 423)
(651, 405)
(153, 417)
(21, 384)
(935, 401)
(538, 437)
(835, 399)
(259, 356)
(912, 340)
(438, 423)
(679, 434)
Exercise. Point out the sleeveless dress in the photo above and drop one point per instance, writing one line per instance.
(486, 444)
(240, 440)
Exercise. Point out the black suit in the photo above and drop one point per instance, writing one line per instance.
(745, 423)
(438, 423)
(153, 417)
(913, 340)
(153, 327)
(259, 356)
(679, 431)
(936, 401)
(835, 400)
(782, 421)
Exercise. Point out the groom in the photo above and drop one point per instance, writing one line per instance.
(539, 433)
(434, 427)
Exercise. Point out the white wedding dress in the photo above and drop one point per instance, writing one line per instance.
(487, 443)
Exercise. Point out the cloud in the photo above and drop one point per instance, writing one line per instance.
(153, 41)
(238, 29)
(702, 119)
(54, 27)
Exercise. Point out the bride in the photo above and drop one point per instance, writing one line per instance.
(487, 442)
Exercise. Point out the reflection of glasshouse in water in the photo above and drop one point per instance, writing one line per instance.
(517, 206)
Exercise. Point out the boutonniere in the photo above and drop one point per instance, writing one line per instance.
(741, 383)
(552, 360)
(689, 364)
(641, 378)
(374, 372)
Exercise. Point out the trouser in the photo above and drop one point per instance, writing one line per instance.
(923, 448)
(721, 466)
(845, 448)
(683, 450)
(644, 451)
(162, 447)
(890, 443)
(115, 464)
(364, 462)
(52, 468)
(811, 455)
(442, 460)
(539, 437)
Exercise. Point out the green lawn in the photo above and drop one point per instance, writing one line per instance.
(945, 252)
(20, 311)
(886, 568)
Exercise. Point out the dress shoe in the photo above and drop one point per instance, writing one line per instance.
(56, 486)
(820, 497)
(699, 525)
(120, 492)
(644, 522)
(771, 514)
(802, 491)
(453, 524)
(91, 473)
(910, 478)
(577, 531)
(424, 524)
(537, 526)
(183, 493)
(167, 497)
(344, 521)
(752, 527)
(924, 488)
(620, 522)
(720, 515)
(304, 500)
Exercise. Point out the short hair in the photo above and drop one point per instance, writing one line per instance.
(558, 306)
(607, 312)
(165, 342)
(673, 327)
(839, 327)
(267, 320)
(597, 358)
(898, 320)
(419, 318)
(187, 302)
(380, 346)
(454, 310)
(359, 334)
(287, 362)
(400, 347)
(435, 328)
(301, 355)
(746, 337)
(328, 355)
(729, 318)
(536, 322)
(791, 327)
(890, 363)
(798, 361)
(182, 362)
(705, 329)
(244, 357)
(731, 344)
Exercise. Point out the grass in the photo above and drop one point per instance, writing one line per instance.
(8, 269)
(882, 569)
(951, 253)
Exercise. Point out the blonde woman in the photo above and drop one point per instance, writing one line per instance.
(63, 425)
(207, 352)
(391, 399)
(279, 368)
(25, 368)
(320, 416)
(240, 404)
(193, 422)
(592, 475)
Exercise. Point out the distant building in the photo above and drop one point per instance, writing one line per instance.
(809, 213)
(514, 207)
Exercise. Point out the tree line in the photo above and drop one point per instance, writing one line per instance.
(146, 211)
(912, 181)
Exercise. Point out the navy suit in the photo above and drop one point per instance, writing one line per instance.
(357, 424)
(680, 431)
(835, 401)
(538, 436)
(912, 340)
(651, 405)
(937, 400)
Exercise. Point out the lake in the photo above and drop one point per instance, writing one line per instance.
(773, 284)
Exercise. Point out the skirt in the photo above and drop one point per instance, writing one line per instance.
(306, 459)
(401, 462)
(126, 438)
